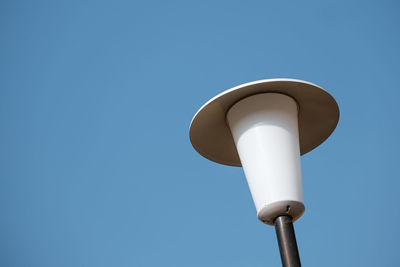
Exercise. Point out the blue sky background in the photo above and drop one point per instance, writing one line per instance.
(96, 98)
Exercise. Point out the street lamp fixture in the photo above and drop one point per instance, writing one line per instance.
(264, 126)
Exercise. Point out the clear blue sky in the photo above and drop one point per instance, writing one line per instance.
(96, 98)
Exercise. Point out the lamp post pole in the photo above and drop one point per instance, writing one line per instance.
(264, 127)
(287, 242)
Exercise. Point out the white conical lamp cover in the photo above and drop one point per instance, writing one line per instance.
(265, 129)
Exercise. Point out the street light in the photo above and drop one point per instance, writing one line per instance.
(264, 126)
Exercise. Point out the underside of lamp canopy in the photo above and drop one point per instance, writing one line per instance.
(317, 110)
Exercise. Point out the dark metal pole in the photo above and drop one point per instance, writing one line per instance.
(287, 241)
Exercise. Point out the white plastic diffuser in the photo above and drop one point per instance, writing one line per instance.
(265, 126)
(266, 134)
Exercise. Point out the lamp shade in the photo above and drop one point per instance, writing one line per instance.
(265, 130)
(264, 126)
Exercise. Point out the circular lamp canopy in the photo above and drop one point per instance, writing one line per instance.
(211, 136)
